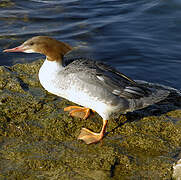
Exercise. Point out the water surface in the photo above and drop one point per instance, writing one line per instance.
(141, 38)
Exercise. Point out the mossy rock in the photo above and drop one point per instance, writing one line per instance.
(39, 140)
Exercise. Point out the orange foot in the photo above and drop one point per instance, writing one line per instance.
(90, 137)
(77, 111)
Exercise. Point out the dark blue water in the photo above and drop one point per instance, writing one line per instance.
(141, 38)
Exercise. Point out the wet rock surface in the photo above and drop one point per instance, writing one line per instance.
(38, 140)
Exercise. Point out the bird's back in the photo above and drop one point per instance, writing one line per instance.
(104, 84)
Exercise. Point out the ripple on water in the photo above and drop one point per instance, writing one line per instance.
(140, 38)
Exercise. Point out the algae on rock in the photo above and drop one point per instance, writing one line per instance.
(39, 141)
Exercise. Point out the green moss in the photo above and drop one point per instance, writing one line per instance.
(6, 4)
(39, 140)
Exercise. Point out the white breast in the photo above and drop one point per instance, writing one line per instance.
(49, 76)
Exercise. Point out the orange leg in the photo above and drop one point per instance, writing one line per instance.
(77, 111)
(90, 137)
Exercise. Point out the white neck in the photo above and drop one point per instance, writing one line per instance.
(52, 66)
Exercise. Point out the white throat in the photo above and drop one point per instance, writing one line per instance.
(29, 51)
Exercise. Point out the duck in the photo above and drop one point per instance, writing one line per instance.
(92, 85)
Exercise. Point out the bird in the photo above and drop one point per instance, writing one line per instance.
(91, 84)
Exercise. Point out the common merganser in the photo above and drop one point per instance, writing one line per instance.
(91, 84)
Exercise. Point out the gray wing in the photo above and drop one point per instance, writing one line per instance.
(96, 75)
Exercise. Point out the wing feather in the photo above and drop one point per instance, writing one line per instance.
(106, 77)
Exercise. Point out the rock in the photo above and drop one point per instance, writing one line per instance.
(38, 140)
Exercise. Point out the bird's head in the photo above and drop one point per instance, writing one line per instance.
(51, 48)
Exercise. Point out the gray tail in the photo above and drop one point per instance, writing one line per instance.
(155, 97)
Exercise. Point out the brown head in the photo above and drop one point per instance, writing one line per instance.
(53, 50)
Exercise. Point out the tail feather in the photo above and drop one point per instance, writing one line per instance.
(155, 97)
